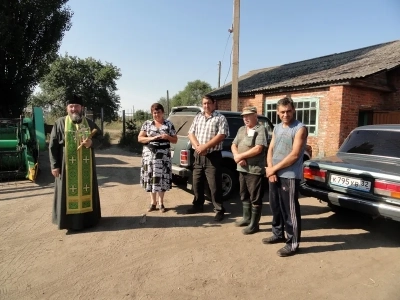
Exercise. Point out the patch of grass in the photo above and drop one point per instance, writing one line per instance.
(113, 125)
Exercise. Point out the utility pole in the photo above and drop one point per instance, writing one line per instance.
(235, 56)
(219, 73)
(167, 102)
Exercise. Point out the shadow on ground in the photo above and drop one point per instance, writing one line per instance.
(377, 232)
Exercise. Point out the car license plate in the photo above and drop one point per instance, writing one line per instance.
(350, 182)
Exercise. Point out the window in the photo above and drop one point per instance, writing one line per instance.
(181, 123)
(234, 125)
(306, 112)
(373, 142)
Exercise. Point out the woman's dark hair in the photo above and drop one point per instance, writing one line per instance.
(156, 106)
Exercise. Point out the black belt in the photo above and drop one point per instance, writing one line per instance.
(160, 147)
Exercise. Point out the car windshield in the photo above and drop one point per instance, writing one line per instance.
(182, 123)
(373, 142)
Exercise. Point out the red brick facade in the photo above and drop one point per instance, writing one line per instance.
(339, 108)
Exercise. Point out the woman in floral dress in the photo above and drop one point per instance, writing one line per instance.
(156, 172)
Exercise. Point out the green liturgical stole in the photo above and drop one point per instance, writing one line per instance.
(78, 168)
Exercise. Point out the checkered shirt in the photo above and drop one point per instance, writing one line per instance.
(206, 128)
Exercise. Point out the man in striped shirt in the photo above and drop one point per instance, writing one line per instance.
(208, 130)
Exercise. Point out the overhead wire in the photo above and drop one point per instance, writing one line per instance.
(230, 64)
(223, 56)
(229, 35)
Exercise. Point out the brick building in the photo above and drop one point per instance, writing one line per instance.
(333, 94)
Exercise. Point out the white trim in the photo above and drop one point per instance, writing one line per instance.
(316, 99)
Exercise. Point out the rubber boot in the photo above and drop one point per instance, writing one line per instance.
(255, 219)
(246, 215)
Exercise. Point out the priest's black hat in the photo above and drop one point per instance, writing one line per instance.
(75, 99)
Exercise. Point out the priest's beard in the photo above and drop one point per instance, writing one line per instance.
(76, 117)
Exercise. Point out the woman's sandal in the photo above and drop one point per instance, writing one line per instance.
(162, 208)
(152, 207)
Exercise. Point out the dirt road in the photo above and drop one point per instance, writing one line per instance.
(176, 256)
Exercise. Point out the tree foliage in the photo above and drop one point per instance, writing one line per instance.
(90, 78)
(30, 35)
(141, 115)
(167, 106)
(191, 94)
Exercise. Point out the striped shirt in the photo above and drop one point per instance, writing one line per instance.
(206, 128)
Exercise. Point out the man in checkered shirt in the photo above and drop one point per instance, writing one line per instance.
(206, 134)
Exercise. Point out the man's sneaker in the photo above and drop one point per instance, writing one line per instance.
(286, 251)
(195, 210)
(219, 216)
(273, 240)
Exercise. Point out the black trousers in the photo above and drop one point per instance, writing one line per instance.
(285, 207)
(208, 167)
(251, 188)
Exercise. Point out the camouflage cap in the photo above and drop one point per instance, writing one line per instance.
(249, 110)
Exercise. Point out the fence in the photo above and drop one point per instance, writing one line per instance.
(126, 116)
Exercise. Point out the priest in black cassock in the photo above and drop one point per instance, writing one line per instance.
(72, 162)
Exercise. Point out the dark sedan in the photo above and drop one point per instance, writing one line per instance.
(364, 175)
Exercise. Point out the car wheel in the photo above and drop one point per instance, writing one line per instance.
(229, 182)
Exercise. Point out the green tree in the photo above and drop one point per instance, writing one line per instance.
(141, 115)
(192, 93)
(90, 78)
(30, 36)
(177, 100)
(167, 106)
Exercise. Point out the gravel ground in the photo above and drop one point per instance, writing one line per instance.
(175, 256)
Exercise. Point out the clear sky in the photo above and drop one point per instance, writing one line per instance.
(161, 45)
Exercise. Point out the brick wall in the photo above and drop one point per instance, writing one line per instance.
(325, 142)
(257, 101)
(339, 108)
(392, 100)
(224, 104)
(354, 100)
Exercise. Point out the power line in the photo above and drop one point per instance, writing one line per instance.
(206, 72)
(230, 64)
(229, 35)
(223, 56)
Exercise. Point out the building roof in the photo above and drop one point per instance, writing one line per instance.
(330, 69)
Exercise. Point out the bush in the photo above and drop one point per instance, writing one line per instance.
(106, 141)
(130, 140)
